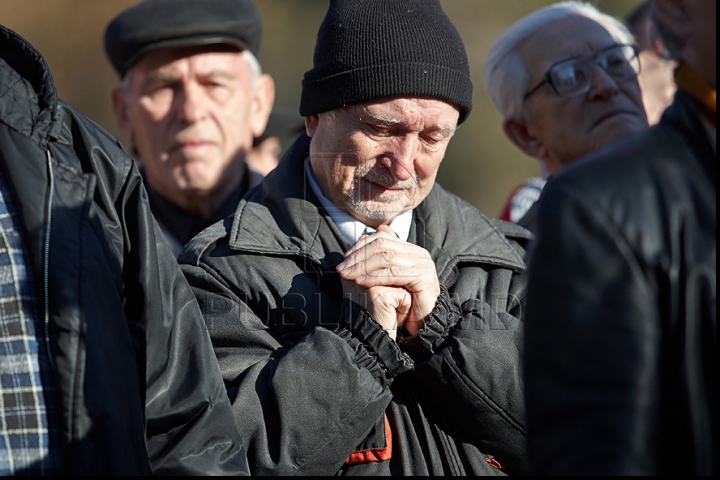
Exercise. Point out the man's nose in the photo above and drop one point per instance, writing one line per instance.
(191, 103)
(404, 156)
(602, 84)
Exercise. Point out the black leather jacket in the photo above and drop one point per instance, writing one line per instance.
(138, 387)
(621, 326)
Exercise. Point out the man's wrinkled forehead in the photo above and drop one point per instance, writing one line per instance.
(157, 59)
(565, 38)
(389, 111)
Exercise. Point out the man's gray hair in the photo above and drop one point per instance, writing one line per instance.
(506, 75)
(253, 63)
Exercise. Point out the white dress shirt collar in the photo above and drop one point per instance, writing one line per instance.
(351, 228)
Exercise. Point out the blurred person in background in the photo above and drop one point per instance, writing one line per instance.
(561, 99)
(366, 320)
(106, 367)
(620, 340)
(657, 84)
(521, 201)
(268, 147)
(192, 97)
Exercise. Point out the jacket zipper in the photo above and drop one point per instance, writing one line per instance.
(46, 261)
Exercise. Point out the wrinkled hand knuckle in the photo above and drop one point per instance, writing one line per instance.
(388, 256)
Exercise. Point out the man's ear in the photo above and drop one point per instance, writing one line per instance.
(311, 124)
(673, 14)
(120, 111)
(520, 135)
(263, 100)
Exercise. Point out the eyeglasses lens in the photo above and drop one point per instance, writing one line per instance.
(572, 77)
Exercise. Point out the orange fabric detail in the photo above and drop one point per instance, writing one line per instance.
(379, 454)
(494, 463)
(706, 97)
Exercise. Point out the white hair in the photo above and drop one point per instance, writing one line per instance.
(254, 65)
(506, 76)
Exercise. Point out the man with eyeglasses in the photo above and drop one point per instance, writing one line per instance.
(620, 337)
(565, 80)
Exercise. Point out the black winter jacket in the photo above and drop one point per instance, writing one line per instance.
(621, 326)
(138, 387)
(317, 386)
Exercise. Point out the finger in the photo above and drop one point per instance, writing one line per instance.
(404, 309)
(365, 240)
(378, 252)
(399, 263)
(413, 326)
(381, 265)
(389, 307)
(389, 277)
(387, 229)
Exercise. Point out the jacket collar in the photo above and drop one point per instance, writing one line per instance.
(282, 217)
(30, 80)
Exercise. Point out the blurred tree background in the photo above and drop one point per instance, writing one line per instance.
(481, 165)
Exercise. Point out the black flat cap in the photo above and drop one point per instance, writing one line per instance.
(154, 24)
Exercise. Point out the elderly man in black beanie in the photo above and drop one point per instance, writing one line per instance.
(366, 321)
(191, 99)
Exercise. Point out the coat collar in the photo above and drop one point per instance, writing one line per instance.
(32, 103)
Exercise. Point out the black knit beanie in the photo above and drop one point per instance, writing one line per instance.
(369, 49)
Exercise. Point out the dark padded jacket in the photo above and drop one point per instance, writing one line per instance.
(317, 386)
(138, 387)
(621, 326)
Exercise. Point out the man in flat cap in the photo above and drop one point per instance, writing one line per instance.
(192, 97)
(367, 321)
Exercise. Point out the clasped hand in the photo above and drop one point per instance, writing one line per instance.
(394, 280)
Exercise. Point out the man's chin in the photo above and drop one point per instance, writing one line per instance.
(194, 186)
(376, 211)
(621, 124)
(193, 177)
(617, 128)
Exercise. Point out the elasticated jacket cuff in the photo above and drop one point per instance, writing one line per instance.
(374, 349)
(437, 327)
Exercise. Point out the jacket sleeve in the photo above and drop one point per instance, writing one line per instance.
(304, 403)
(591, 346)
(190, 428)
(468, 357)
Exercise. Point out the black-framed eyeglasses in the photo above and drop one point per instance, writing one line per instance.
(573, 76)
